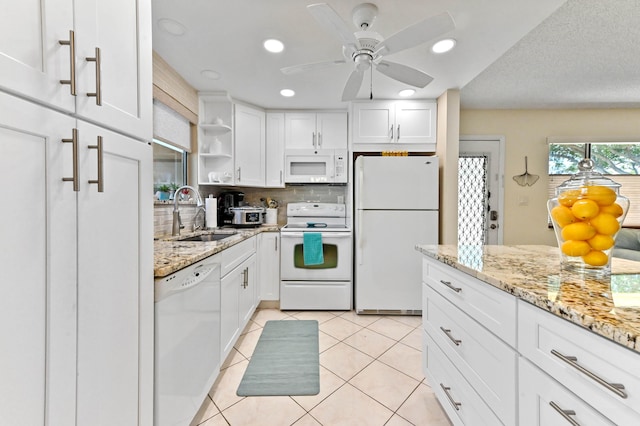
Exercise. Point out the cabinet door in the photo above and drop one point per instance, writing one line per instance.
(248, 291)
(230, 287)
(275, 150)
(269, 266)
(38, 263)
(32, 61)
(415, 122)
(373, 122)
(115, 280)
(331, 130)
(249, 135)
(300, 130)
(121, 30)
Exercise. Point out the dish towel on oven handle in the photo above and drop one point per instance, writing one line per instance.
(312, 248)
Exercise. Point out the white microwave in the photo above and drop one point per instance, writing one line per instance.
(315, 166)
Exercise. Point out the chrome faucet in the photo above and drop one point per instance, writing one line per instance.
(177, 222)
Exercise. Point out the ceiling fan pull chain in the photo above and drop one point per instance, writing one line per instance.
(371, 84)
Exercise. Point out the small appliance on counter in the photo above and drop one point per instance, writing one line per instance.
(232, 211)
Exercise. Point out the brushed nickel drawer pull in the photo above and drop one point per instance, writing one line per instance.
(448, 333)
(100, 180)
(72, 63)
(76, 178)
(565, 413)
(453, 402)
(391, 132)
(398, 133)
(616, 388)
(451, 286)
(98, 93)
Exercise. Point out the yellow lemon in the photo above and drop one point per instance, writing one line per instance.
(585, 209)
(595, 258)
(605, 224)
(601, 242)
(600, 194)
(614, 210)
(580, 231)
(567, 198)
(575, 248)
(562, 215)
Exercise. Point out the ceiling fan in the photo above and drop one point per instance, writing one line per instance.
(366, 48)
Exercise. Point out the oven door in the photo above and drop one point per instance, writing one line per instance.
(336, 249)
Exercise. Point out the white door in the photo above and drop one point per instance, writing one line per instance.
(121, 30)
(115, 280)
(269, 266)
(396, 182)
(373, 122)
(230, 286)
(38, 264)
(300, 130)
(249, 134)
(332, 130)
(32, 60)
(388, 269)
(480, 191)
(248, 291)
(274, 164)
(415, 122)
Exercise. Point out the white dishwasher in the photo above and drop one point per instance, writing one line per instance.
(187, 341)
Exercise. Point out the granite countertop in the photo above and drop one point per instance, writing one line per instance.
(607, 306)
(170, 254)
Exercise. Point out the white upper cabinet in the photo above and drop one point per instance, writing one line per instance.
(274, 150)
(99, 50)
(249, 135)
(316, 131)
(399, 124)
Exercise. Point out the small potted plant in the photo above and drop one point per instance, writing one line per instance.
(163, 192)
(172, 188)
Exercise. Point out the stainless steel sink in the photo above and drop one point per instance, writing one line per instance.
(208, 237)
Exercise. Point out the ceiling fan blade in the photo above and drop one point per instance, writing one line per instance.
(352, 87)
(329, 18)
(310, 67)
(416, 34)
(404, 74)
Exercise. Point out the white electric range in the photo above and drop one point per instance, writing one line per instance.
(319, 286)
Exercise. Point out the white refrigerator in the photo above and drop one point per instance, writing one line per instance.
(396, 207)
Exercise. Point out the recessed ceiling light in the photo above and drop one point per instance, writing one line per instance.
(443, 46)
(287, 93)
(172, 27)
(274, 46)
(210, 74)
(406, 92)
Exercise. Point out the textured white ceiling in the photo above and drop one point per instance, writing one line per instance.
(510, 53)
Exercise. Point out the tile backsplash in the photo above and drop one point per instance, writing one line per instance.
(163, 211)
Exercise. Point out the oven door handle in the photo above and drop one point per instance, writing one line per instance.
(325, 235)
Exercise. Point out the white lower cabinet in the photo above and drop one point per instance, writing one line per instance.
(269, 266)
(544, 401)
(77, 320)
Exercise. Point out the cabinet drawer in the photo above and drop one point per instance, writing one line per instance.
(461, 403)
(477, 353)
(491, 307)
(233, 256)
(543, 400)
(587, 364)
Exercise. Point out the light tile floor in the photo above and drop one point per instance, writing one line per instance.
(370, 374)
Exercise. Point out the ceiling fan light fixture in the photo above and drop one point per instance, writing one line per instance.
(287, 93)
(363, 61)
(273, 45)
(406, 93)
(443, 45)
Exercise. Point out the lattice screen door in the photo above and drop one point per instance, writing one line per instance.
(472, 199)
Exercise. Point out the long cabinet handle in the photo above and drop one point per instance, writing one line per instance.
(72, 63)
(280, 176)
(319, 139)
(391, 133)
(313, 139)
(98, 93)
(566, 414)
(448, 333)
(76, 178)
(239, 173)
(453, 402)
(398, 133)
(100, 180)
(616, 388)
(451, 286)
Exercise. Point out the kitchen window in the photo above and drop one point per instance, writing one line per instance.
(171, 144)
(616, 160)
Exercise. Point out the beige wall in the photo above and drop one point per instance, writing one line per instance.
(447, 150)
(526, 133)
